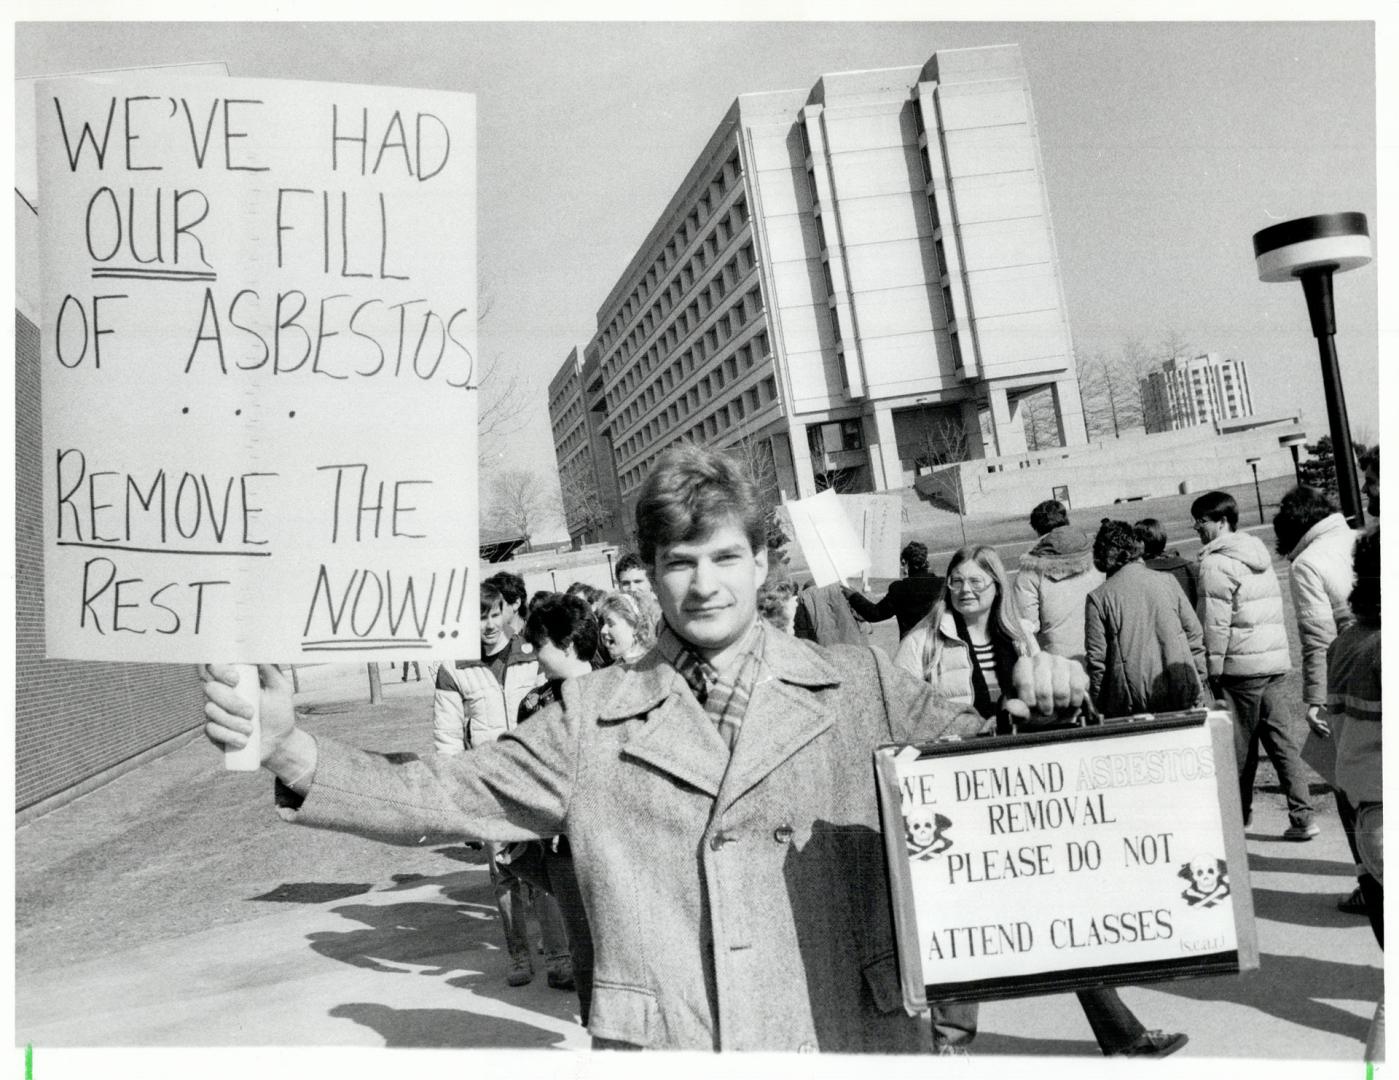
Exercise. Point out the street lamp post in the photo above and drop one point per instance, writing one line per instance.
(1258, 495)
(1293, 442)
(1312, 250)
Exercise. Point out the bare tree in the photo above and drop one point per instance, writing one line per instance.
(585, 511)
(755, 458)
(1040, 420)
(520, 503)
(1110, 389)
(502, 391)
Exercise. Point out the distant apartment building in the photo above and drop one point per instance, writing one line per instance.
(851, 283)
(1192, 390)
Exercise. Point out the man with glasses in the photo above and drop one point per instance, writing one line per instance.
(1240, 609)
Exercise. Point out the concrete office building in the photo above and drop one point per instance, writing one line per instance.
(854, 281)
(1190, 391)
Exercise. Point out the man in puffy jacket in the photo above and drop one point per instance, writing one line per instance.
(1246, 652)
(1055, 578)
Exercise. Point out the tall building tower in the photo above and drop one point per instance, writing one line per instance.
(852, 282)
(1193, 390)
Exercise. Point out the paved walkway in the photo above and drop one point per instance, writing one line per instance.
(171, 908)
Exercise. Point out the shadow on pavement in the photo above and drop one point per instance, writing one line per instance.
(1295, 990)
(988, 1044)
(446, 1027)
(1283, 864)
(314, 892)
(422, 934)
(1303, 909)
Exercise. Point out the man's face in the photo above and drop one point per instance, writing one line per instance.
(553, 661)
(634, 580)
(1208, 530)
(1371, 488)
(493, 635)
(708, 588)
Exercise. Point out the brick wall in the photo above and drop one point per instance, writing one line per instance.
(73, 720)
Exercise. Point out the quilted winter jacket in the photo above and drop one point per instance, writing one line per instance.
(952, 677)
(470, 708)
(1051, 587)
(736, 902)
(1322, 577)
(1241, 608)
(1145, 649)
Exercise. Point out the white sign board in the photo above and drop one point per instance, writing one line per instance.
(259, 368)
(1100, 855)
(828, 541)
(879, 521)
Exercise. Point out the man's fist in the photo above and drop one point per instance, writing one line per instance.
(1046, 688)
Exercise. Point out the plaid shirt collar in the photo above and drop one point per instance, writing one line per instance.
(724, 695)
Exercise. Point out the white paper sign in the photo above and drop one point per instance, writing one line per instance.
(827, 538)
(259, 344)
(879, 521)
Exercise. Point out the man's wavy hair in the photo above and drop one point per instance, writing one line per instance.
(1299, 510)
(688, 494)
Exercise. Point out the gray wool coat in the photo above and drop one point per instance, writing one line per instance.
(735, 903)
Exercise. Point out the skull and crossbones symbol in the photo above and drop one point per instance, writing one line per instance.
(924, 828)
(1209, 881)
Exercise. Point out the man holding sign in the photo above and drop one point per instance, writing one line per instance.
(718, 795)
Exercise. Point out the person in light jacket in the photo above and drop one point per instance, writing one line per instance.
(966, 649)
(1319, 543)
(1145, 650)
(1055, 577)
(717, 794)
(1246, 653)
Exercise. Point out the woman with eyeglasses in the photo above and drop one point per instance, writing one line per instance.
(966, 648)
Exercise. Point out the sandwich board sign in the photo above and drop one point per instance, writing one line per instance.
(1058, 860)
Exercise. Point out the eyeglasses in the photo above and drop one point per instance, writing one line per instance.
(976, 585)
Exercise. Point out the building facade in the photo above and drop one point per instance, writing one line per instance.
(1190, 391)
(852, 283)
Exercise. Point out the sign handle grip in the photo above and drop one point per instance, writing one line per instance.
(249, 758)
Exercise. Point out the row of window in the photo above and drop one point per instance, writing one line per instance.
(696, 397)
(723, 419)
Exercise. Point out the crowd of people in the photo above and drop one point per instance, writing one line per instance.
(643, 765)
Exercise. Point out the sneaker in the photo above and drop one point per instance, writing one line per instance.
(521, 971)
(1302, 832)
(1152, 1044)
(1354, 904)
(561, 975)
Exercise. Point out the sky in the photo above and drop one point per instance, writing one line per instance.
(1165, 147)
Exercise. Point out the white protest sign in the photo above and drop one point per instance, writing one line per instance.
(1042, 862)
(879, 521)
(259, 341)
(827, 539)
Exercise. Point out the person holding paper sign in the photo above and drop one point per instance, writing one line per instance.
(718, 795)
(968, 648)
(909, 598)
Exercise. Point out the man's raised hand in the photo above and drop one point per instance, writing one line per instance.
(1046, 689)
(228, 716)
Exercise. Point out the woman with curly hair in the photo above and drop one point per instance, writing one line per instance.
(628, 625)
(1145, 648)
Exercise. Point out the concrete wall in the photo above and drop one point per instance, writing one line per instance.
(1112, 469)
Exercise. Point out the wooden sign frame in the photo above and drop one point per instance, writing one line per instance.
(1168, 884)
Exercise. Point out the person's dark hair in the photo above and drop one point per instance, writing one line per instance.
(630, 561)
(1152, 535)
(1216, 506)
(1299, 510)
(1371, 459)
(690, 491)
(539, 595)
(915, 554)
(1115, 546)
(563, 619)
(510, 586)
(1047, 516)
(490, 595)
(591, 593)
(1365, 594)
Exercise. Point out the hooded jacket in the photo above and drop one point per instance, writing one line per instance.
(1321, 580)
(1055, 578)
(1183, 570)
(1241, 608)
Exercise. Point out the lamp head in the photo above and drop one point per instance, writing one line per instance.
(1286, 250)
(1298, 439)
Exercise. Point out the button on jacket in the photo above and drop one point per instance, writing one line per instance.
(737, 901)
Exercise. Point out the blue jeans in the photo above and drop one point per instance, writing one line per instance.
(1260, 717)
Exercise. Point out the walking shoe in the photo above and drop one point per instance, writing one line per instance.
(1152, 1044)
(521, 971)
(561, 975)
(1302, 832)
(1354, 904)
(953, 1050)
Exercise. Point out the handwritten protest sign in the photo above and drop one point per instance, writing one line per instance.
(828, 541)
(259, 343)
(1033, 863)
(878, 520)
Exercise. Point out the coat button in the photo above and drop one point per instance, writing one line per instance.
(719, 839)
(783, 834)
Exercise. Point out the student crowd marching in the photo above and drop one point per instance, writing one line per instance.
(644, 766)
